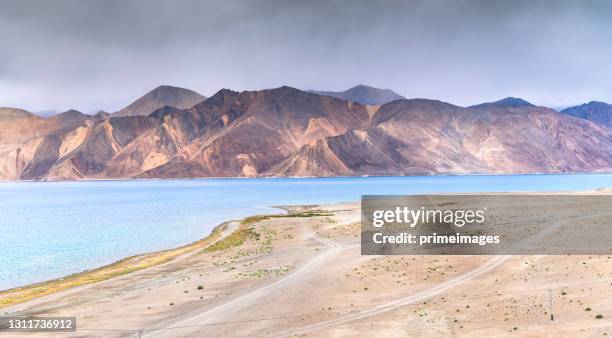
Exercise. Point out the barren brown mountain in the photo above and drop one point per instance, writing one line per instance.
(248, 133)
(30, 145)
(288, 132)
(419, 136)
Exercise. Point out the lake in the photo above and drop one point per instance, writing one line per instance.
(51, 229)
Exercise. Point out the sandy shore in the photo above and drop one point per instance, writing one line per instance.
(119, 268)
(302, 274)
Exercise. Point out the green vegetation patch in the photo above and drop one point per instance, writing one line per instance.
(236, 238)
(239, 236)
(312, 213)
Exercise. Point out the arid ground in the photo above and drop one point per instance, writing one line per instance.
(302, 274)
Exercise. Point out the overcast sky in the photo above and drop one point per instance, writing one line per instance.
(92, 55)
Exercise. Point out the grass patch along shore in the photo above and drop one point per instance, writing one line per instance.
(236, 238)
(119, 268)
(258, 218)
(239, 236)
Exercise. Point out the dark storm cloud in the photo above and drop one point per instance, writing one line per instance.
(102, 54)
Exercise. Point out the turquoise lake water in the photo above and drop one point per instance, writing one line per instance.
(51, 229)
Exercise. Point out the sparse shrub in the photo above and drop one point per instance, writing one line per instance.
(599, 316)
(258, 218)
(200, 287)
(236, 238)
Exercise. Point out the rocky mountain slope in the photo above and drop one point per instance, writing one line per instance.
(288, 132)
(31, 145)
(364, 94)
(427, 137)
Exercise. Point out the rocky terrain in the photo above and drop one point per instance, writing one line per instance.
(289, 132)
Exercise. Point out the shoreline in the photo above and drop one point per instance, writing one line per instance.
(128, 179)
(259, 281)
(119, 268)
(134, 263)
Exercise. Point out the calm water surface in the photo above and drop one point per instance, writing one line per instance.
(51, 229)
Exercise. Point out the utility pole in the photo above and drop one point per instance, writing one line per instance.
(550, 304)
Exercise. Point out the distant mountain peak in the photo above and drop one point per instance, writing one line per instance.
(72, 112)
(166, 87)
(597, 103)
(364, 94)
(224, 92)
(219, 97)
(69, 116)
(164, 90)
(508, 102)
(159, 97)
(285, 90)
(514, 102)
(366, 87)
(596, 111)
(8, 113)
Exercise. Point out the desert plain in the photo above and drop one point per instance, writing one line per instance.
(302, 274)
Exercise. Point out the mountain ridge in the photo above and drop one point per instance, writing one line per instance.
(596, 111)
(285, 131)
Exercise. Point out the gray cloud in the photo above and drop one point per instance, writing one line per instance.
(91, 55)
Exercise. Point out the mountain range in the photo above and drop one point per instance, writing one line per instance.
(175, 132)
